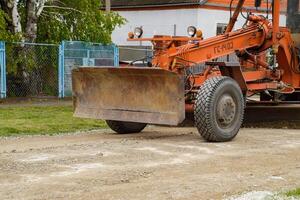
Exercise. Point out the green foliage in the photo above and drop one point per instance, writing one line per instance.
(294, 193)
(66, 20)
(5, 34)
(41, 75)
(77, 20)
(60, 20)
(41, 120)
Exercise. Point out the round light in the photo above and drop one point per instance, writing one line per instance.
(138, 32)
(191, 30)
(199, 34)
(130, 35)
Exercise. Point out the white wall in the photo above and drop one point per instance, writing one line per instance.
(161, 22)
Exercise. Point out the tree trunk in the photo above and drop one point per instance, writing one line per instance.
(33, 8)
(10, 7)
(31, 20)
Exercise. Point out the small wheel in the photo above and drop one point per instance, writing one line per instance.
(219, 109)
(125, 127)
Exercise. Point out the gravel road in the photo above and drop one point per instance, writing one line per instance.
(160, 163)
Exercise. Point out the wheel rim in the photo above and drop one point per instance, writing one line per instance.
(226, 111)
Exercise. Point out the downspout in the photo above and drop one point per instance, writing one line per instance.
(107, 6)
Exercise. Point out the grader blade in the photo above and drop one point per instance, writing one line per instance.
(145, 95)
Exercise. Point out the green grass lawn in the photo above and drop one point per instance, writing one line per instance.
(294, 193)
(41, 120)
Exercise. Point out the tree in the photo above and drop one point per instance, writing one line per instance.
(56, 20)
(78, 20)
(49, 21)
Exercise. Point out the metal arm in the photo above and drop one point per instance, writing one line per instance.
(235, 15)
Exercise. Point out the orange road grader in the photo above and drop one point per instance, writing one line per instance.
(129, 97)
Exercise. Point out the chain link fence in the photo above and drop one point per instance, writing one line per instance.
(81, 54)
(44, 70)
(32, 69)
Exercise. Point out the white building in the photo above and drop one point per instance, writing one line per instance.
(172, 17)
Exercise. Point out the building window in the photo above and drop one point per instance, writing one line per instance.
(221, 27)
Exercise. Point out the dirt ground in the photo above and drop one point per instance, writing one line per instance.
(160, 163)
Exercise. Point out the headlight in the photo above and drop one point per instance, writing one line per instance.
(199, 34)
(130, 35)
(191, 30)
(138, 32)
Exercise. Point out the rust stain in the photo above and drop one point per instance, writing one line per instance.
(148, 95)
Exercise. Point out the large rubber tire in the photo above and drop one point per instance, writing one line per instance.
(125, 127)
(219, 109)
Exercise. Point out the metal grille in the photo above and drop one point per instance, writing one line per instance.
(32, 69)
(136, 54)
(80, 54)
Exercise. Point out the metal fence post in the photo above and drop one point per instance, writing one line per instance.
(61, 71)
(116, 56)
(3, 70)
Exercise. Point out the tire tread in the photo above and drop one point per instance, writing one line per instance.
(202, 108)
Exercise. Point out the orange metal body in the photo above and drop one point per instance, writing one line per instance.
(164, 92)
(250, 43)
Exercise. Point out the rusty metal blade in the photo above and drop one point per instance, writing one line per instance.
(146, 95)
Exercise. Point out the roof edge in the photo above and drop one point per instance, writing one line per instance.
(201, 2)
(180, 6)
